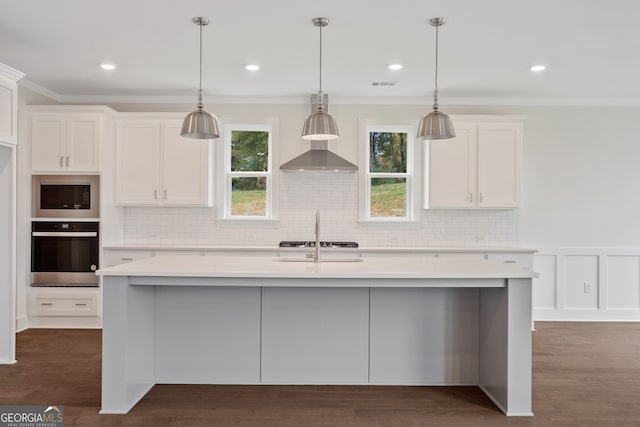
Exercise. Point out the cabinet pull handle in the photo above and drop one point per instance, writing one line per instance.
(471, 197)
(61, 161)
(80, 304)
(155, 194)
(46, 303)
(165, 194)
(126, 259)
(480, 199)
(510, 261)
(67, 161)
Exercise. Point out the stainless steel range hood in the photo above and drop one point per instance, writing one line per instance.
(318, 158)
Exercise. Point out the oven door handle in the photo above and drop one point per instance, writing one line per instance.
(64, 234)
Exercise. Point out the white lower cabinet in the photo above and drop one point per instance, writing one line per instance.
(62, 308)
(59, 302)
(155, 166)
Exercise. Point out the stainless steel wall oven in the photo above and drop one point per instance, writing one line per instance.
(64, 254)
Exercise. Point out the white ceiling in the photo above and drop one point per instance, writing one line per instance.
(591, 47)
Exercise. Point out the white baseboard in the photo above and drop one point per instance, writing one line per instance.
(65, 322)
(22, 324)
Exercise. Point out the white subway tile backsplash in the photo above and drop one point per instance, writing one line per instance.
(336, 196)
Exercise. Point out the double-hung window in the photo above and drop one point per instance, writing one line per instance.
(388, 180)
(248, 165)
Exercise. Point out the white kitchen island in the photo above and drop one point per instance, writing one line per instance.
(253, 320)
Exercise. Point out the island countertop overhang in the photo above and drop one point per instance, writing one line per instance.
(414, 267)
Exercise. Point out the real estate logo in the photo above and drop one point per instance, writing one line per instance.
(31, 416)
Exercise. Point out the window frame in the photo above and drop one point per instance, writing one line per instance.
(413, 181)
(226, 175)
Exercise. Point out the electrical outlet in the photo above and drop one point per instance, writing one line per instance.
(588, 287)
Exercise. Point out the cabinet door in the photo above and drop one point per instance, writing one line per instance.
(499, 159)
(185, 168)
(82, 144)
(47, 142)
(452, 169)
(138, 163)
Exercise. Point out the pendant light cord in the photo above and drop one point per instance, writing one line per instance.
(435, 92)
(200, 106)
(320, 94)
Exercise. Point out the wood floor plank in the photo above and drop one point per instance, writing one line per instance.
(584, 374)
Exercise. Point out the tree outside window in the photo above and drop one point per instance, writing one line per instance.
(388, 174)
(248, 171)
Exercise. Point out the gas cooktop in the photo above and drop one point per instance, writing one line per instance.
(311, 244)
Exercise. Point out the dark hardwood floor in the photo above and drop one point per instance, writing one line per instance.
(584, 374)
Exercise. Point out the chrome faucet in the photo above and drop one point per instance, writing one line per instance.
(316, 255)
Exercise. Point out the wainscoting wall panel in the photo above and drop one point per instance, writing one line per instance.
(587, 284)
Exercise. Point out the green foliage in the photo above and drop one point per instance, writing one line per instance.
(388, 152)
(249, 151)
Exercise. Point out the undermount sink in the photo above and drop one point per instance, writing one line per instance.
(300, 259)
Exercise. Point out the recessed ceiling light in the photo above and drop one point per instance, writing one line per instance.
(107, 66)
(252, 67)
(538, 68)
(395, 67)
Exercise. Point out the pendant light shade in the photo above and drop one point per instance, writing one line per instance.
(199, 124)
(320, 125)
(436, 124)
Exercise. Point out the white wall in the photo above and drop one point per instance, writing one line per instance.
(581, 178)
(7, 343)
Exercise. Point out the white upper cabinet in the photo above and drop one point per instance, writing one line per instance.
(65, 142)
(452, 169)
(499, 165)
(479, 168)
(156, 166)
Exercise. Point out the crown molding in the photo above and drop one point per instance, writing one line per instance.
(335, 99)
(28, 84)
(10, 73)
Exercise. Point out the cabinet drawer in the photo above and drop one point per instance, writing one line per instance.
(50, 304)
(524, 260)
(117, 257)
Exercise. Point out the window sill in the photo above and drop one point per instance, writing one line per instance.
(389, 224)
(248, 222)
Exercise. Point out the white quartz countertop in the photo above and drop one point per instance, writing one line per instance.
(409, 249)
(410, 267)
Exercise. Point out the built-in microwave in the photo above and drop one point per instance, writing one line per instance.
(65, 196)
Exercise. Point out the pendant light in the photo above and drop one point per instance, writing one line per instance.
(436, 125)
(199, 124)
(320, 125)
